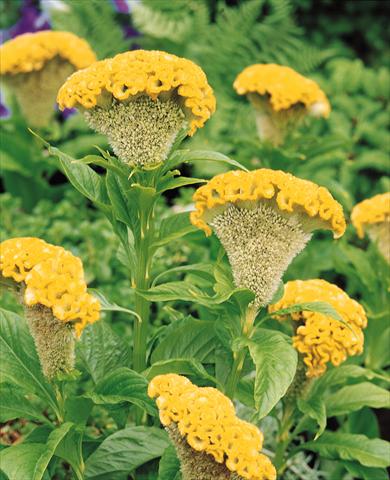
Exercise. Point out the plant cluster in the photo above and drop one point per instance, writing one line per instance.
(146, 329)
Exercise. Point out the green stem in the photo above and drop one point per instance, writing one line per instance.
(234, 378)
(142, 282)
(239, 357)
(284, 438)
(60, 412)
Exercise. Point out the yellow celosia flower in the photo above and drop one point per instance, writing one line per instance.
(373, 214)
(31, 51)
(34, 65)
(320, 338)
(264, 218)
(52, 277)
(206, 419)
(140, 100)
(284, 86)
(281, 97)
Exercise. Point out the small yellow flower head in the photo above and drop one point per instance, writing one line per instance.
(280, 97)
(140, 100)
(52, 277)
(206, 420)
(320, 338)
(31, 51)
(374, 215)
(54, 294)
(264, 218)
(34, 66)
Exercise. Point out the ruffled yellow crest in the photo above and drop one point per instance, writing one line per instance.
(31, 51)
(206, 418)
(285, 87)
(322, 339)
(291, 194)
(53, 277)
(152, 73)
(371, 211)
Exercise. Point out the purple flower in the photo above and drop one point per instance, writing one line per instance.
(31, 20)
(4, 112)
(130, 31)
(68, 112)
(121, 6)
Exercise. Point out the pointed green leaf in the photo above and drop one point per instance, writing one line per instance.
(30, 460)
(348, 446)
(354, 397)
(19, 363)
(13, 404)
(315, 409)
(100, 350)
(195, 339)
(174, 227)
(169, 467)
(276, 362)
(181, 366)
(124, 451)
(123, 385)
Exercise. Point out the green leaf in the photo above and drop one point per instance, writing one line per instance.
(315, 409)
(124, 451)
(354, 397)
(276, 362)
(363, 421)
(77, 409)
(191, 156)
(202, 270)
(18, 462)
(19, 363)
(30, 461)
(81, 176)
(54, 440)
(70, 450)
(338, 376)
(365, 473)
(187, 292)
(181, 366)
(123, 385)
(117, 191)
(348, 446)
(169, 467)
(170, 182)
(195, 339)
(107, 306)
(174, 227)
(13, 404)
(320, 307)
(100, 350)
(362, 266)
(223, 278)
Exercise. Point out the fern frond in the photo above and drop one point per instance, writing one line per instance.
(95, 21)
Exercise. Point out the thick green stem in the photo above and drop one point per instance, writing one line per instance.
(284, 437)
(142, 282)
(239, 357)
(234, 378)
(60, 413)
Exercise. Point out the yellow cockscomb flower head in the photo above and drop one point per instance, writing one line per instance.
(373, 215)
(280, 96)
(141, 100)
(320, 338)
(264, 218)
(210, 440)
(34, 66)
(54, 293)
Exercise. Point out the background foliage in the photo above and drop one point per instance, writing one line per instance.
(344, 46)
